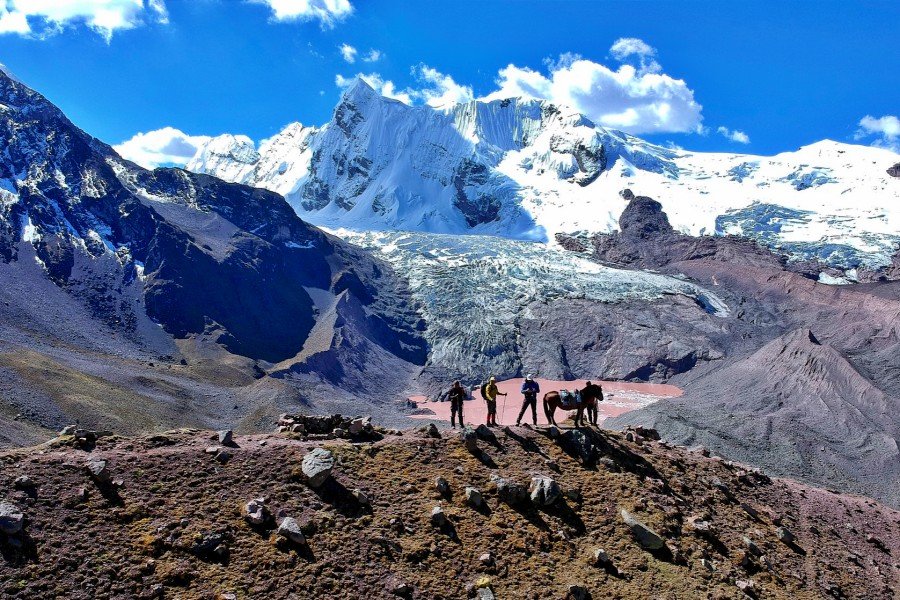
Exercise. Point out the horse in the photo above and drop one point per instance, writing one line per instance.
(590, 395)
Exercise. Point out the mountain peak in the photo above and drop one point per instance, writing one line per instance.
(359, 89)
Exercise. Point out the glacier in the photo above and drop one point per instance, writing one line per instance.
(529, 169)
(473, 289)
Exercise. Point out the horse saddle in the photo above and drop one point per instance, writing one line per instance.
(568, 400)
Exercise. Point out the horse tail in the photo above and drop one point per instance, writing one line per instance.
(547, 408)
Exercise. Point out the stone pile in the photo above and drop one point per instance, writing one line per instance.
(326, 427)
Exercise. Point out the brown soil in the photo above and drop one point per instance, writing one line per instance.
(135, 540)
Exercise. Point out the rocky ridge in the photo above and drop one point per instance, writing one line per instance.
(522, 513)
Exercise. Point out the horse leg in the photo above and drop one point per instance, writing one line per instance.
(547, 411)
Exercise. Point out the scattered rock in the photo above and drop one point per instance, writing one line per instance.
(68, 430)
(23, 482)
(290, 529)
(360, 497)
(484, 432)
(96, 468)
(487, 559)
(469, 439)
(474, 497)
(360, 425)
(223, 456)
(577, 443)
(785, 535)
(745, 585)
(438, 517)
(646, 537)
(11, 518)
(432, 431)
(317, 466)
(544, 491)
(442, 486)
(577, 592)
(256, 512)
(601, 558)
(226, 437)
(510, 492)
(752, 547)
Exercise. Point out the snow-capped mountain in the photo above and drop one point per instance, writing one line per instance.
(528, 169)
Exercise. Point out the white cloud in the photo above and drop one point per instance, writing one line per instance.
(886, 131)
(638, 99)
(439, 89)
(735, 135)
(373, 56)
(328, 12)
(161, 147)
(43, 18)
(348, 52)
(435, 88)
(625, 48)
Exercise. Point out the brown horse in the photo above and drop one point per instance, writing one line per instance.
(590, 396)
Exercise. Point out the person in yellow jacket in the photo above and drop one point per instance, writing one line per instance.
(490, 397)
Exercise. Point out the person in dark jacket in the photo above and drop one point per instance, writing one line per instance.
(456, 395)
(530, 390)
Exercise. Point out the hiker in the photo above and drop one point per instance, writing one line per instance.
(490, 392)
(456, 395)
(530, 390)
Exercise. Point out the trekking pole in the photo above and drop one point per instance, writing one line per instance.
(503, 411)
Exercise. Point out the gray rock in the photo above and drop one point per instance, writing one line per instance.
(98, 471)
(11, 518)
(290, 529)
(438, 517)
(361, 497)
(360, 425)
(751, 546)
(469, 439)
(577, 592)
(226, 437)
(68, 430)
(577, 443)
(601, 558)
(646, 537)
(544, 491)
(485, 593)
(256, 512)
(511, 492)
(317, 466)
(785, 535)
(442, 486)
(23, 482)
(432, 431)
(484, 432)
(223, 456)
(486, 559)
(474, 497)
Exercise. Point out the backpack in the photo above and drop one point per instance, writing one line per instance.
(484, 395)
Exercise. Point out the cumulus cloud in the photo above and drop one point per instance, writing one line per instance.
(883, 132)
(434, 88)
(638, 99)
(327, 12)
(373, 56)
(734, 135)
(162, 147)
(43, 18)
(348, 52)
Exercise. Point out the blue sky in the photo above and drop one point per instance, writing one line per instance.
(760, 77)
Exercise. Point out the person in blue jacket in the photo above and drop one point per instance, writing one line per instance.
(530, 390)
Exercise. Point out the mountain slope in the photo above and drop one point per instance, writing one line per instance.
(170, 265)
(175, 527)
(529, 169)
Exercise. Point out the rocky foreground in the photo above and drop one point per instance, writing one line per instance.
(512, 513)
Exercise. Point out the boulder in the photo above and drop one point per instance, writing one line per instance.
(601, 558)
(438, 517)
(68, 430)
(432, 431)
(785, 535)
(23, 482)
(290, 529)
(544, 491)
(360, 425)
(646, 537)
(317, 466)
(577, 443)
(442, 486)
(469, 439)
(226, 437)
(96, 468)
(360, 497)
(510, 491)
(256, 512)
(474, 497)
(484, 432)
(223, 456)
(11, 518)
(577, 592)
